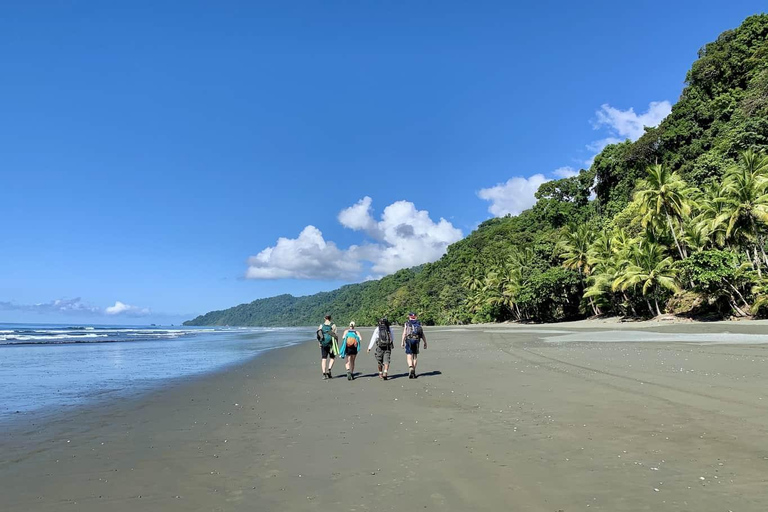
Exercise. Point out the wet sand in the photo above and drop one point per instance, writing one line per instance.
(501, 418)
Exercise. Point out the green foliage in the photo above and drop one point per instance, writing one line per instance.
(680, 214)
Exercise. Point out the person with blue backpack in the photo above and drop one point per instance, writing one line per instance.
(350, 345)
(413, 335)
(326, 336)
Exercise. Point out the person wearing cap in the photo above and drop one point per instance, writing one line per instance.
(350, 345)
(327, 335)
(413, 335)
(383, 338)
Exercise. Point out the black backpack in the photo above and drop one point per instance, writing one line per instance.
(385, 338)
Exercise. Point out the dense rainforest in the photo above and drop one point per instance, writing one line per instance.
(675, 222)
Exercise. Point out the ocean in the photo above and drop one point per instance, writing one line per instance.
(47, 369)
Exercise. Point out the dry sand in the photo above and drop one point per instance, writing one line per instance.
(500, 419)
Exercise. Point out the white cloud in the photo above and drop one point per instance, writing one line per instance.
(120, 308)
(309, 256)
(75, 306)
(404, 237)
(565, 172)
(358, 216)
(629, 125)
(514, 196)
(625, 124)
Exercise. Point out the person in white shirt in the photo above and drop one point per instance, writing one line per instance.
(382, 339)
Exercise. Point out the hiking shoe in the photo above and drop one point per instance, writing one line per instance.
(325, 376)
(381, 375)
(349, 376)
(384, 376)
(329, 374)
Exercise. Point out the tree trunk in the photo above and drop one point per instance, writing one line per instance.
(736, 290)
(630, 303)
(656, 301)
(649, 306)
(737, 308)
(674, 235)
(756, 262)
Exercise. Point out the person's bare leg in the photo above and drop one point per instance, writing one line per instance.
(322, 365)
(409, 360)
(415, 360)
(352, 364)
(330, 364)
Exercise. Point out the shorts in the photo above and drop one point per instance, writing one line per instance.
(412, 347)
(351, 351)
(383, 355)
(327, 351)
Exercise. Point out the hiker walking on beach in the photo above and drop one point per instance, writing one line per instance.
(326, 335)
(350, 345)
(383, 338)
(413, 334)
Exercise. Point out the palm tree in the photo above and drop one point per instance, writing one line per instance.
(712, 217)
(574, 250)
(473, 279)
(695, 235)
(746, 204)
(502, 285)
(651, 268)
(475, 301)
(663, 193)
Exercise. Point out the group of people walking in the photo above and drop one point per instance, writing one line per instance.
(382, 341)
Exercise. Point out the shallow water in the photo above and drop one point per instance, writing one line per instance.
(48, 369)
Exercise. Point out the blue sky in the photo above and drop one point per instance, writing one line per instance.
(152, 154)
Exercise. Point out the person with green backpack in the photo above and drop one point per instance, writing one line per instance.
(326, 337)
(413, 335)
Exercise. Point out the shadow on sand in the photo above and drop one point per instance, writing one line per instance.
(418, 375)
(391, 377)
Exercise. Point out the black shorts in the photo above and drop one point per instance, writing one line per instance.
(351, 351)
(327, 351)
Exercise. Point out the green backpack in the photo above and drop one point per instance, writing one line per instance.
(327, 334)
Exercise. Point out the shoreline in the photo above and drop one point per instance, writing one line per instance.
(497, 420)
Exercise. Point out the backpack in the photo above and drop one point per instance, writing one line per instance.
(327, 332)
(414, 330)
(352, 339)
(385, 338)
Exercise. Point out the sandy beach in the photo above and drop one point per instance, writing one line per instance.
(564, 417)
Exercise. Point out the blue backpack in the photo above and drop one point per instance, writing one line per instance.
(414, 330)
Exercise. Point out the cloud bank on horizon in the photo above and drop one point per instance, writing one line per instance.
(77, 306)
(517, 194)
(403, 237)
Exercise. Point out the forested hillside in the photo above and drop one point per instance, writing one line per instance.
(678, 223)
